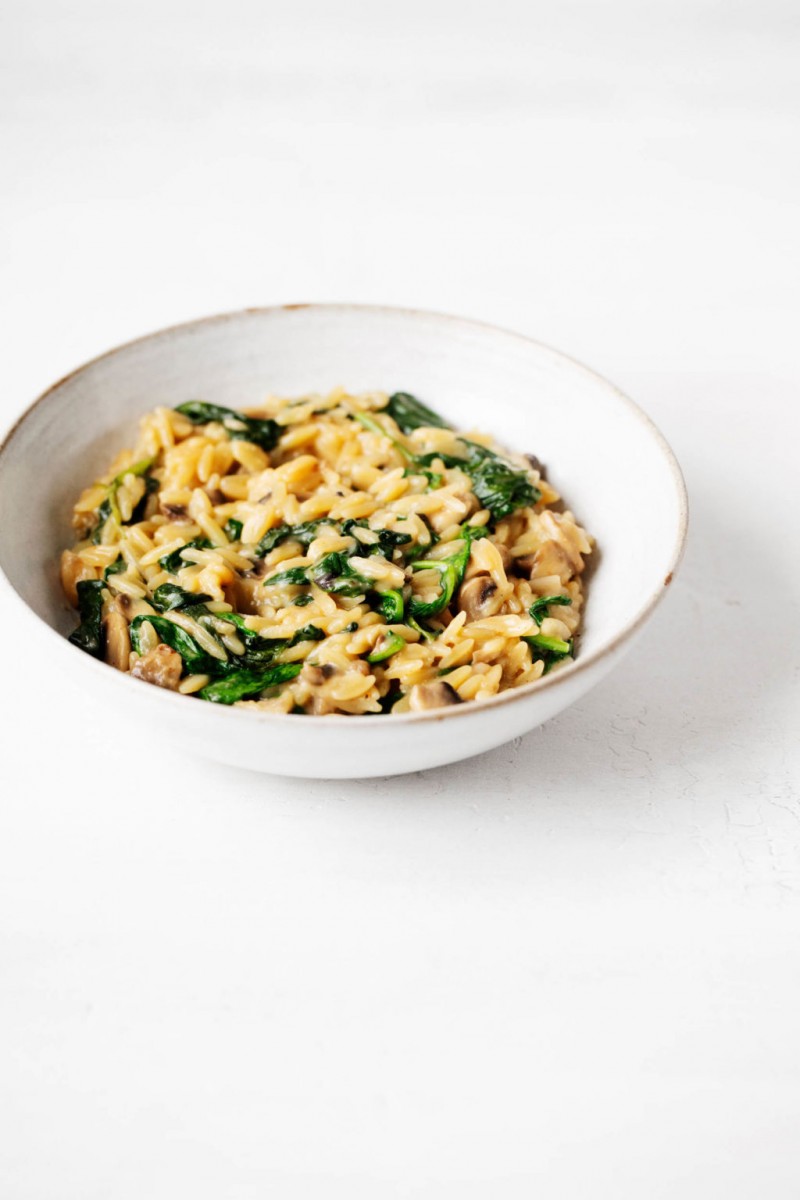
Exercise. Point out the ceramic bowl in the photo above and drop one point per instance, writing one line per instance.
(614, 468)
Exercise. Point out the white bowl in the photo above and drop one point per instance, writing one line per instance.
(611, 464)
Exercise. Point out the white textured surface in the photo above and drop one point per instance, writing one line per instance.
(569, 968)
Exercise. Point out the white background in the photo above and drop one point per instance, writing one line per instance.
(570, 968)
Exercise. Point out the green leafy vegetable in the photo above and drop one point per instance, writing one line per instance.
(109, 507)
(410, 413)
(195, 659)
(150, 486)
(334, 574)
(303, 533)
(388, 539)
(89, 634)
(550, 650)
(538, 610)
(433, 477)
(498, 486)
(174, 561)
(451, 570)
(295, 576)
(233, 529)
(105, 511)
(169, 597)
(245, 683)
(375, 427)
(425, 632)
(260, 651)
(117, 567)
(392, 606)
(303, 600)
(262, 432)
(386, 647)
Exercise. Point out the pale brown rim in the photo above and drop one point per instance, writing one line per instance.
(579, 666)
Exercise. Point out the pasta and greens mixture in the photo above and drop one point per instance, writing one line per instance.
(330, 554)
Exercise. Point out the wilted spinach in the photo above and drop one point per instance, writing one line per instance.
(263, 432)
(89, 634)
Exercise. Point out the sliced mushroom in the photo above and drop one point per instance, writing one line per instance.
(479, 597)
(245, 594)
(84, 523)
(552, 558)
(436, 694)
(73, 572)
(537, 465)
(161, 666)
(118, 639)
(557, 558)
(175, 512)
(316, 675)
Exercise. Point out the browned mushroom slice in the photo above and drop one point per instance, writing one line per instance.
(118, 639)
(557, 558)
(84, 523)
(73, 572)
(316, 675)
(161, 666)
(479, 598)
(436, 694)
(246, 593)
(175, 512)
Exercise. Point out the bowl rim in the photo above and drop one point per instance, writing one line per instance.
(471, 708)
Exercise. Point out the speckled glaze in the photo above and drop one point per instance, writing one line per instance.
(609, 461)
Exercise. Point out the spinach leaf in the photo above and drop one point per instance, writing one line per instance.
(103, 513)
(262, 432)
(245, 684)
(410, 413)
(498, 486)
(233, 529)
(451, 571)
(550, 650)
(433, 477)
(150, 485)
(296, 576)
(174, 561)
(195, 659)
(334, 575)
(117, 567)
(303, 533)
(425, 632)
(309, 633)
(109, 506)
(538, 610)
(374, 426)
(259, 651)
(89, 634)
(392, 606)
(386, 647)
(169, 597)
(388, 539)
(303, 600)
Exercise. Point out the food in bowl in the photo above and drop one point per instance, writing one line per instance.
(343, 553)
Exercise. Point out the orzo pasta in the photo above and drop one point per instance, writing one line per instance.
(328, 554)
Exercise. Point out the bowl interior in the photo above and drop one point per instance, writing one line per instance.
(612, 467)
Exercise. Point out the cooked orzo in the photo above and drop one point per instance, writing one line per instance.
(328, 554)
